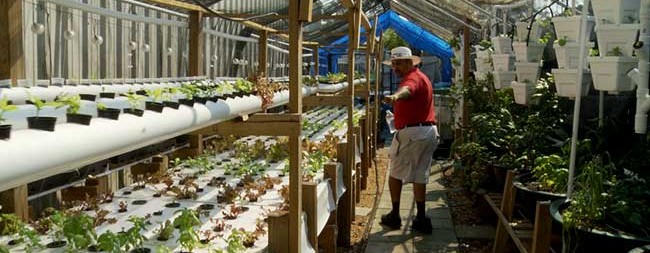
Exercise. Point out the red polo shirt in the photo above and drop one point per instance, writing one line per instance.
(418, 108)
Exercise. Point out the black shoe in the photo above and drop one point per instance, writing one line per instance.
(391, 221)
(423, 225)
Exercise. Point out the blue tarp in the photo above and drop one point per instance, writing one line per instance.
(416, 36)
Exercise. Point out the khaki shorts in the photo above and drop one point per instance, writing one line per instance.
(411, 153)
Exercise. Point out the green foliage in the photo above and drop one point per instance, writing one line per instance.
(188, 238)
(485, 44)
(615, 52)
(313, 162)
(454, 43)
(244, 85)
(336, 77)
(101, 106)
(134, 237)
(31, 239)
(235, 242)
(278, 151)
(548, 36)
(134, 100)
(594, 52)
(156, 94)
(189, 90)
(79, 231)
(40, 104)
(392, 40)
(72, 101)
(165, 231)
(591, 198)
(111, 242)
(225, 88)
(9, 224)
(56, 223)
(567, 13)
(561, 41)
(5, 107)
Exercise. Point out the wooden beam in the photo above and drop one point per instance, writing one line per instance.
(543, 224)
(348, 3)
(314, 53)
(305, 12)
(12, 58)
(196, 43)
(263, 53)
(336, 100)
(257, 128)
(275, 117)
(178, 4)
(310, 203)
(365, 22)
(315, 17)
(15, 201)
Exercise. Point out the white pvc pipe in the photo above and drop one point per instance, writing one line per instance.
(153, 7)
(72, 146)
(642, 97)
(576, 108)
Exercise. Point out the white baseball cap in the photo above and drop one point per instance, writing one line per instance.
(400, 53)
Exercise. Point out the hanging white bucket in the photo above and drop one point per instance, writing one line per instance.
(502, 79)
(528, 53)
(503, 62)
(483, 65)
(502, 44)
(522, 31)
(616, 11)
(527, 71)
(621, 36)
(569, 27)
(523, 92)
(610, 72)
(568, 56)
(566, 79)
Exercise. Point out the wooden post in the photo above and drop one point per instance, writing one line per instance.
(12, 58)
(196, 43)
(357, 175)
(299, 11)
(501, 236)
(157, 164)
(263, 51)
(542, 230)
(314, 53)
(107, 184)
(278, 232)
(345, 203)
(327, 238)
(309, 205)
(365, 155)
(466, 40)
(15, 201)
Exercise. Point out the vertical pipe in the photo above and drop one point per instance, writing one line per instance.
(576, 107)
(601, 108)
(642, 97)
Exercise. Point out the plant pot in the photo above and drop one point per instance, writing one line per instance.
(173, 205)
(527, 71)
(502, 45)
(503, 79)
(593, 240)
(214, 99)
(483, 65)
(185, 101)
(201, 100)
(171, 104)
(527, 198)
(610, 72)
(568, 56)
(81, 119)
(109, 113)
(141, 92)
(482, 54)
(107, 95)
(478, 75)
(503, 62)
(56, 244)
(88, 97)
(136, 112)
(138, 202)
(566, 79)
(523, 92)
(41, 123)
(5, 132)
(528, 53)
(569, 27)
(153, 106)
(522, 31)
(612, 36)
(616, 11)
(206, 207)
(141, 250)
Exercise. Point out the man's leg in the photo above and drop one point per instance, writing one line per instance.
(395, 186)
(420, 190)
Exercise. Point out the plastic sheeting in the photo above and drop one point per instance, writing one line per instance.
(415, 35)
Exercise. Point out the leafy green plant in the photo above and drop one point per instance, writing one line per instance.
(561, 41)
(40, 104)
(134, 100)
(9, 224)
(454, 43)
(79, 231)
(235, 241)
(243, 85)
(165, 231)
(135, 239)
(31, 239)
(189, 90)
(225, 88)
(72, 101)
(169, 93)
(392, 40)
(567, 13)
(455, 61)
(546, 38)
(188, 238)
(485, 44)
(111, 242)
(156, 94)
(594, 52)
(5, 107)
(615, 52)
(56, 223)
(336, 77)
(591, 199)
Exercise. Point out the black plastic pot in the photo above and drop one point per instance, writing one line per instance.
(82, 119)
(56, 244)
(109, 113)
(139, 202)
(29, 102)
(206, 207)
(201, 100)
(141, 250)
(526, 199)
(173, 205)
(5, 132)
(41, 123)
(171, 104)
(141, 92)
(214, 99)
(107, 95)
(593, 240)
(88, 97)
(136, 112)
(153, 106)
(188, 102)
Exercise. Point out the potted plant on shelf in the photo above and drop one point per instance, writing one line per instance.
(39, 122)
(568, 53)
(135, 102)
(167, 98)
(620, 36)
(156, 104)
(55, 222)
(243, 87)
(609, 72)
(189, 90)
(73, 103)
(5, 106)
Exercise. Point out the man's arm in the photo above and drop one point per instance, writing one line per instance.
(402, 93)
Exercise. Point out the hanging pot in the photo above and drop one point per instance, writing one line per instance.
(523, 92)
(610, 72)
(566, 79)
(568, 56)
(616, 11)
(502, 44)
(41, 123)
(612, 36)
(569, 27)
(503, 79)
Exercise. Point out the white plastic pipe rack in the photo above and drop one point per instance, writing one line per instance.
(31, 155)
(642, 97)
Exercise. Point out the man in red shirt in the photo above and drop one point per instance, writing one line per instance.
(416, 139)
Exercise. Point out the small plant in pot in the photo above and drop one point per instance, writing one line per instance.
(134, 237)
(189, 90)
(39, 122)
(79, 231)
(5, 130)
(56, 222)
(167, 98)
(156, 104)
(135, 101)
(188, 237)
(165, 231)
(73, 103)
(107, 113)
